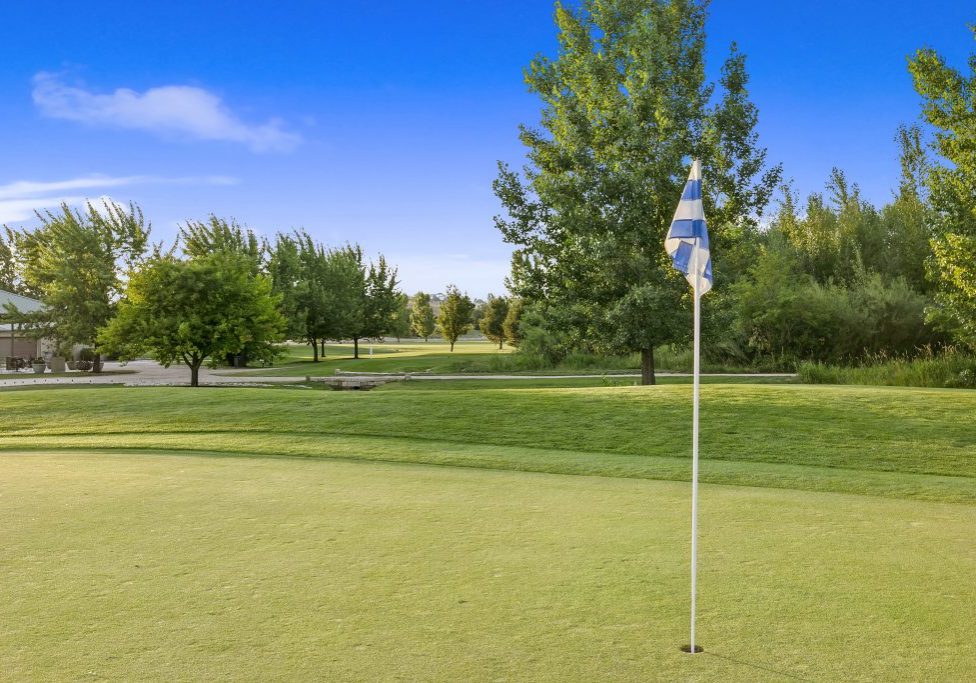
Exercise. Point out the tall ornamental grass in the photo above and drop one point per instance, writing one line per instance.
(952, 369)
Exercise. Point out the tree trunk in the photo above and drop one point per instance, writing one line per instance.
(452, 346)
(322, 346)
(647, 367)
(97, 362)
(315, 351)
(195, 374)
(500, 342)
(355, 347)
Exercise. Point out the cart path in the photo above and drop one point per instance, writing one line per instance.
(151, 373)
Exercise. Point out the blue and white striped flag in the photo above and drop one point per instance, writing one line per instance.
(687, 240)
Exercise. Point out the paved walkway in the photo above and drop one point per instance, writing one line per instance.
(151, 373)
(140, 373)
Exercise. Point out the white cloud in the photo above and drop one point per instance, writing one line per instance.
(20, 199)
(17, 210)
(30, 188)
(169, 110)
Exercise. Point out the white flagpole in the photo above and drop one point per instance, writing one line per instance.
(694, 455)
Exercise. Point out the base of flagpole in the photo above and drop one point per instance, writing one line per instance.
(687, 648)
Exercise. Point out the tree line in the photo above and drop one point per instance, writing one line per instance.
(625, 106)
(220, 293)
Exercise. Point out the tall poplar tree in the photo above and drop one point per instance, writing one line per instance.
(949, 106)
(422, 322)
(625, 108)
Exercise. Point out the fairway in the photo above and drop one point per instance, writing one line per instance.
(407, 356)
(174, 567)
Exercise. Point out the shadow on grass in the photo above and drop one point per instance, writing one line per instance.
(758, 667)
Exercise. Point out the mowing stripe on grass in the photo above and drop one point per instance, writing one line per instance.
(443, 453)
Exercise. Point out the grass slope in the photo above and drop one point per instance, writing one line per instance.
(890, 442)
(167, 567)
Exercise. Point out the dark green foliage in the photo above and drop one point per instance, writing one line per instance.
(478, 312)
(512, 325)
(492, 322)
(543, 335)
(786, 314)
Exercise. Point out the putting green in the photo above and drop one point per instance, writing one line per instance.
(175, 567)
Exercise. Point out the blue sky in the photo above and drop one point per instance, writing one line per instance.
(381, 122)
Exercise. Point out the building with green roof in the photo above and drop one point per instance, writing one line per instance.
(13, 342)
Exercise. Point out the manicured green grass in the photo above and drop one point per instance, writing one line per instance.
(882, 441)
(160, 566)
(409, 356)
(564, 382)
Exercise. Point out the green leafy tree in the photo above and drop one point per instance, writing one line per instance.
(512, 326)
(9, 267)
(625, 104)
(909, 218)
(400, 326)
(478, 313)
(422, 321)
(345, 295)
(329, 297)
(287, 283)
(949, 106)
(492, 323)
(955, 310)
(381, 300)
(200, 238)
(75, 263)
(454, 318)
(195, 311)
(220, 235)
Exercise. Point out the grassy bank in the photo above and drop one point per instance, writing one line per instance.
(849, 439)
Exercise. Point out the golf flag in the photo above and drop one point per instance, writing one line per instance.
(687, 240)
(687, 244)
